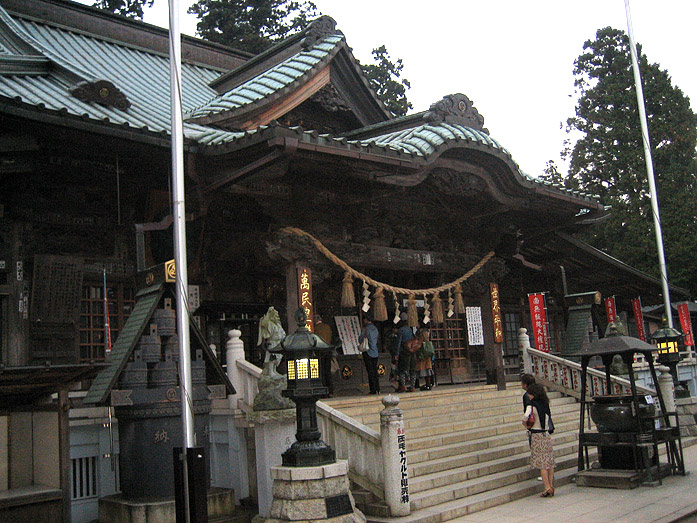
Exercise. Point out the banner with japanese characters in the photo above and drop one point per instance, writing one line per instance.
(610, 310)
(639, 319)
(685, 323)
(496, 312)
(538, 316)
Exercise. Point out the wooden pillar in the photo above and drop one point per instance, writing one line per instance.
(299, 293)
(493, 352)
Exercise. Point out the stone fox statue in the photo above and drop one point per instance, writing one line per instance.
(271, 333)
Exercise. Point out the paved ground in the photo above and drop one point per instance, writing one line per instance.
(672, 501)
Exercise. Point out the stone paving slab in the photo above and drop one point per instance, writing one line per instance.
(665, 503)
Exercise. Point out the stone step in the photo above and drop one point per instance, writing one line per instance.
(482, 427)
(356, 407)
(482, 456)
(481, 417)
(442, 483)
(481, 444)
(457, 508)
(420, 416)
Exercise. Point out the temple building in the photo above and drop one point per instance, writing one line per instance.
(294, 169)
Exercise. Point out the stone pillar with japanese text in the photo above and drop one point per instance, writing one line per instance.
(394, 448)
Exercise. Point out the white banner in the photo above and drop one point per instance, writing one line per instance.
(475, 330)
(349, 328)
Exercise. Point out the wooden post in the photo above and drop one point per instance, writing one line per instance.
(64, 450)
(493, 352)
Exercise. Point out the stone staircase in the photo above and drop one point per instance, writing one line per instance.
(467, 450)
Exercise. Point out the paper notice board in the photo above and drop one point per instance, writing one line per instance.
(349, 328)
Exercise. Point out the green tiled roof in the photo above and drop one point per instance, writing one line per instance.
(273, 81)
(142, 75)
(146, 302)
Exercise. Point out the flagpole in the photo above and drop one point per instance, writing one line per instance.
(649, 168)
(179, 211)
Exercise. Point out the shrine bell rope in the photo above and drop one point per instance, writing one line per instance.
(380, 286)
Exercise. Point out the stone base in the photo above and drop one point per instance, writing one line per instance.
(116, 509)
(687, 411)
(318, 494)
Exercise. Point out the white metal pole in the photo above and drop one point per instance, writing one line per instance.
(180, 224)
(649, 167)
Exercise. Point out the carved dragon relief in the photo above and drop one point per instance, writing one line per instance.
(102, 92)
(330, 100)
(323, 26)
(450, 181)
(456, 108)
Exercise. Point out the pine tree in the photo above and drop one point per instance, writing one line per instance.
(608, 159)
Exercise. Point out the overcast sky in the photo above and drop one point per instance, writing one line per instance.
(513, 59)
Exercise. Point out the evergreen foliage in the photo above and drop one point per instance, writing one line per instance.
(127, 8)
(608, 159)
(384, 76)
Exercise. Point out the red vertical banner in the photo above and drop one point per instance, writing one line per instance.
(538, 315)
(305, 296)
(685, 323)
(639, 318)
(610, 309)
(496, 312)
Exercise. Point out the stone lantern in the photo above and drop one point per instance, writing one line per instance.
(303, 352)
(669, 342)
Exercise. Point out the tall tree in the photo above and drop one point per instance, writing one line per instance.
(127, 8)
(384, 76)
(608, 159)
(251, 25)
(255, 25)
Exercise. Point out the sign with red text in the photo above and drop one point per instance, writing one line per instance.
(610, 310)
(639, 318)
(685, 323)
(305, 296)
(496, 312)
(538, 316)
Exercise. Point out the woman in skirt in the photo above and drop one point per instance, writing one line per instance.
(538, 420)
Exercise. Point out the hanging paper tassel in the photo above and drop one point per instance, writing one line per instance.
(437, 305)
(451, 304)
(380, 309)
(348, 295)
(459, 303)
(366, 297)
(427, 311)
(395, 320)
(412, 315)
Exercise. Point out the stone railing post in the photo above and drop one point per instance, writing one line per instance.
(665, 383)
(234, 350)
(394, 457)
(523, 346)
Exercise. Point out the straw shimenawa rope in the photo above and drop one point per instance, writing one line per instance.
(397, 290)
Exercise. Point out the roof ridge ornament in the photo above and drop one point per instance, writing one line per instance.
(102, 92)
(456, 108)
(318, 29)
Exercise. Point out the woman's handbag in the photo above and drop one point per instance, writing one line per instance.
(413, 344)
(364, 347)
(530, 421)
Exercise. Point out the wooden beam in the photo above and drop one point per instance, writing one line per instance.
(284, 105)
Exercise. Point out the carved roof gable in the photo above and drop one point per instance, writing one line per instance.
(275, 82)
